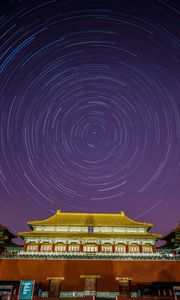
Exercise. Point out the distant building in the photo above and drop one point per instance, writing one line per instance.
(89, 233)
(172, 244)
(6, 244)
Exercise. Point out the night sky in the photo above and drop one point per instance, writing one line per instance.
(90, 109)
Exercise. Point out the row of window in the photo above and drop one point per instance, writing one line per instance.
(88, 248)
(85, 229)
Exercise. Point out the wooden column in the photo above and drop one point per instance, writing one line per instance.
(39, 247)
(81, 247)
(99, 248)
(53, 246)
(114, 249)
(127, 248)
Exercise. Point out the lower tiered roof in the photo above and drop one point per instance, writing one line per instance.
(89, 235)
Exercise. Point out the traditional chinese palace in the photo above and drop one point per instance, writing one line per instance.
(71, 254)
(82, 233)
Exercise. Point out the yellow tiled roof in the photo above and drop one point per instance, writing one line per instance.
(94, 235)
(89, 219)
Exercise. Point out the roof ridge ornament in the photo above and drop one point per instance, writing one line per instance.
(122, 213)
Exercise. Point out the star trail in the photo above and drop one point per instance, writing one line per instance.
(90, 109)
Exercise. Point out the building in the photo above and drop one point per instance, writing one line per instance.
(76, 254)
(172, 240)
(89, 233)
(6, 243)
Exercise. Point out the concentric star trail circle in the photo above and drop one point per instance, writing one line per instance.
(89, 105)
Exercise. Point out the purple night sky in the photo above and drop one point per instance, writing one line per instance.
(90, 110)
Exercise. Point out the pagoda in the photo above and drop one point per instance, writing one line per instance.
(69, 233)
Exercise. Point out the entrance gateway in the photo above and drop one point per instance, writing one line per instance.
(90, 284)
(55, 286)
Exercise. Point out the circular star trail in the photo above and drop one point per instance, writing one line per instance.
(89, 106)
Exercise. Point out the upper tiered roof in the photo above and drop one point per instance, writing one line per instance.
(6, 237)
(175, 234)
(5, 233)
(89, 219)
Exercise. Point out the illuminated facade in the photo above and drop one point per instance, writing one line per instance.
(88, 253)
(80, 234)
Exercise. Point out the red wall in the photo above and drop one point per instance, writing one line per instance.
(141, 271)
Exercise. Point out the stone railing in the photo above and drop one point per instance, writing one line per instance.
(92, 256)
